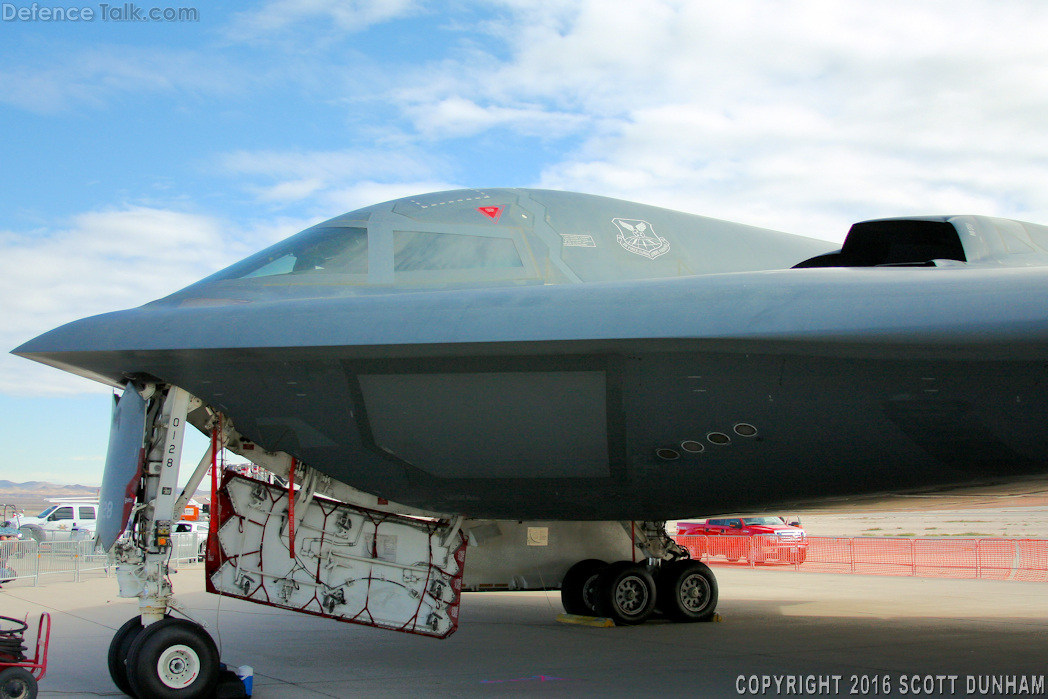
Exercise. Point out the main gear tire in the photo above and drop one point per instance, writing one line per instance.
(578, 590)
(687, 591)
(626, 593)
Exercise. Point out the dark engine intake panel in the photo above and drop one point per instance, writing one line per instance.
(903, 243)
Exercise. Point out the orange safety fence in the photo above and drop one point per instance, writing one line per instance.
(995, 559)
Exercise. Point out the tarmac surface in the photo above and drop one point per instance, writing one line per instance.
(509, 644)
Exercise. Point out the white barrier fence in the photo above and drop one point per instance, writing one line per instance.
(61, 535)
(33, 561)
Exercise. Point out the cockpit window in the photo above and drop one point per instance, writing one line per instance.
(328, 250)
(282, 265)
(415, 251)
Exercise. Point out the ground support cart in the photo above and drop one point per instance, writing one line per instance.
(18, 674)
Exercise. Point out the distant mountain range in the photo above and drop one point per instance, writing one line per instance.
(30, 492)
(44, 488)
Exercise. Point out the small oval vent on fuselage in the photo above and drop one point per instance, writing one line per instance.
(894, 242)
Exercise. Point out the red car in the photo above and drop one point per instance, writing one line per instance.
(757, 539)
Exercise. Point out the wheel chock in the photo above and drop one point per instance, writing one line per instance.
(598, 621)
(716, 617)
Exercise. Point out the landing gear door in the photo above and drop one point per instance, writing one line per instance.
(349, 563)
(123, 466)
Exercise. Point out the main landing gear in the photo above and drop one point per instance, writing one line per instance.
(669, 583)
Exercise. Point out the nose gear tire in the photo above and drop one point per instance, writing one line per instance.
(173, 659)
(118, 649)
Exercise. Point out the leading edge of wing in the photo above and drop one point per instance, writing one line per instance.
(981, 309)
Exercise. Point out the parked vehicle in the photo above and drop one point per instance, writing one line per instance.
(194, 527)
(757, 539)
(66, 518)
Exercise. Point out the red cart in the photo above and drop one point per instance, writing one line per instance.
(18, 674)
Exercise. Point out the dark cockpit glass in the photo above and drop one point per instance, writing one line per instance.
(416, 251)
(324, 250)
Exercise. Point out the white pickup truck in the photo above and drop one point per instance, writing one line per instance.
(65, 518)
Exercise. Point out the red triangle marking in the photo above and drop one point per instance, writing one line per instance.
(492, 212)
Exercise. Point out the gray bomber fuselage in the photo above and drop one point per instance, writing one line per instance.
(694, 373)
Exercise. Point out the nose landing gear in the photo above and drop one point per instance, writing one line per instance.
(153, 655)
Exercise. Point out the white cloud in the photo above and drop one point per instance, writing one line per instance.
(291, 190)
(333, 180)
(106, 261)
(278, 17)
(361, 194)
(325, 165)
(803, 116)
(454, 116)
(56, 79)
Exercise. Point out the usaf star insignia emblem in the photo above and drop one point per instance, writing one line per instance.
(639, 238)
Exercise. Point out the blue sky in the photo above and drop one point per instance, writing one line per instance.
(141, 156)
